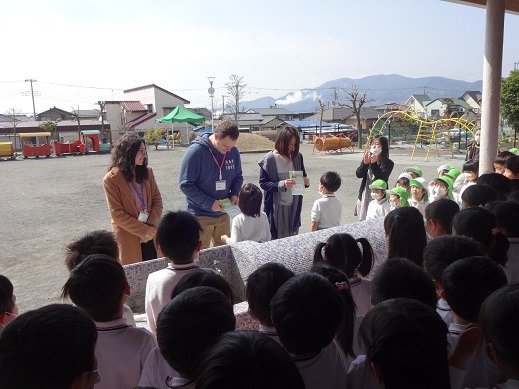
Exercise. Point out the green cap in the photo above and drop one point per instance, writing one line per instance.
(450, 184)
(420, 182)
(402, 193)
(414, 169)
(378, 184)
(454, 173)
(514, 150)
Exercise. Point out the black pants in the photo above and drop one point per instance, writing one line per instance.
(148, 251)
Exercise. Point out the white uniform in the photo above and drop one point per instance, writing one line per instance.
(159, 286)
(128, 315)
(327, 211)
(250, 228)
(361, 292)
(512, 265)
(324, 370)
(378, 208)
(420, 205)
(443, 309)
(156, 371)
(121, 351)
(360, 375)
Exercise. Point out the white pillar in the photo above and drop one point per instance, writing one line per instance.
(495, 20)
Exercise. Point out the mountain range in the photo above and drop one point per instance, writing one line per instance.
(380, 89)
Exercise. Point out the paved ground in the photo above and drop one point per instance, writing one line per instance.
(46, 203)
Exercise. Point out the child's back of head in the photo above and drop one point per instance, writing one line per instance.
(97, 286)
(442, 212)
(248, 359)
(262, 285)
(95, 242)
(400, 278)
(8, 308)
(331, 181)
(498, 182)
(405, 232)
(203, 277)
(249, 200)
(178, 236)
(468, 282)
(406, 342)
(190, 324)
(507, 217)
(307, 312)
(342, 251)
(478, 196)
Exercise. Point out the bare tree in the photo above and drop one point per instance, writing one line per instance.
(235, 90)
(356, 102)
(76, 116)
(101, 111)
(12, 115)
(322, 107)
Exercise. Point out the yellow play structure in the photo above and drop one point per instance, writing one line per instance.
(430, 132)
(332, 143)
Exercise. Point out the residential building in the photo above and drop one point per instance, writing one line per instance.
(280, 113)
(473, 98)
(437, 107)
(54, 114)
(418, 103)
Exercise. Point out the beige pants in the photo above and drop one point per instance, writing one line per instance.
(214, 228)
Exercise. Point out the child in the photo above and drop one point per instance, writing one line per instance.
(50, 347)
(379, 206)
(512, 168)
(443, 169)
(498, 182)
(466, 284)
(203, 277)
(251, 224)
(307, 312)
(96, 242)
(405, 234)
(499, 317)
(8, 308)
(262, 285)
(440, 188)
(403, 181)
(398, 197)
(453, 174)
(419, 197)
(327, 210)
(440, 253)
(438, 217)
(178, 237)
(188, 326)
(478, 196)
(469, 177)
(248, 359)
(507, 217)
(414, 171)
(98, 286)
(342, 251)
(500, 160)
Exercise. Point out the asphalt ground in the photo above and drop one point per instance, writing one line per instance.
(48, 202)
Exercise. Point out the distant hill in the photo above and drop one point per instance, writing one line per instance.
(381, 89)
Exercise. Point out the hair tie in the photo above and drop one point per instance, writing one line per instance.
(396, 216)
(327, 245)
(340, 286)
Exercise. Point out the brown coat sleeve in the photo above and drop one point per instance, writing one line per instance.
(154, 200)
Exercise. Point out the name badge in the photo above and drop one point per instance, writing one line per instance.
(143, 216)
(220, 185)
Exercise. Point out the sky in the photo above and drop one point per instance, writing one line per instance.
(80, 52)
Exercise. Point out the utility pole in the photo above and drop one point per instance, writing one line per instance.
(32, 94)
(516, 65)
(223, 105)
(335, 95)
(424, 88)
(211, 95)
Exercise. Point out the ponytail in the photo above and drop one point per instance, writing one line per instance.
(318, 253)
(345, 334)
(366, 263)
(498, 249)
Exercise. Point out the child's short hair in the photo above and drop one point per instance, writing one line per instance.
(307, 312)
(507, 217)
(499, 317)
(97, 285)
(403, 181)
(178, 236)
(340, 281)
(331, 181)
(262, 285)
(248, 359)
(478, 223)
(203, 277)
(399, 277)
(502, 157)
(478, 196)
(95, 242)
(468, 282)
(49, 347)
(443, 211)
(472, 165)
(405, 232)
(497, 182)
(342, 251)
(512, 164)
(6, 295)
(446, 249)
(190, 324)
(406, 340)
(249, 200)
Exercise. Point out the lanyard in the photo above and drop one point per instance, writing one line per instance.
(140, 196)
(219, 166)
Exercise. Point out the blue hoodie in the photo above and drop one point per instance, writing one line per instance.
(199, 173)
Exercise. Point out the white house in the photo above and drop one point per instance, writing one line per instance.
(418, 103)
(437, 107)
(473, 98)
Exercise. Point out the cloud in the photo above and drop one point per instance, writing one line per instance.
(297, 96)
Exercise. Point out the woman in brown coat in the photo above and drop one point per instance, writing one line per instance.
(134, 201)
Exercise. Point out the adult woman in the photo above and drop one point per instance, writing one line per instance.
(375, 165)
(282, 208)
(134, 201)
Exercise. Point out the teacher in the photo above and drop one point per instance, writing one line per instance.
(133, 200)
(375, 165)
(281, 206)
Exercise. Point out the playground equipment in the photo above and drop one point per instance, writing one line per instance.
(430, 132)
(90, 142)
(6, 151)
(332, 143)
(35, 149)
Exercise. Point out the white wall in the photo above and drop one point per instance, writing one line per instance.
(113, 116)
(145, 96)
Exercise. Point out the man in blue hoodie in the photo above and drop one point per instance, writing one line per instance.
(211, 171)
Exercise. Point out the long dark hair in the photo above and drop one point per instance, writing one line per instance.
(124, 155)
(283, 140)
(384, 155)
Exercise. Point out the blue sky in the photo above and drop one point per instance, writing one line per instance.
(277, 46)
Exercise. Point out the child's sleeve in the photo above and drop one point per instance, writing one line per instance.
(236, 233)
(268, 236)
(315, 215)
